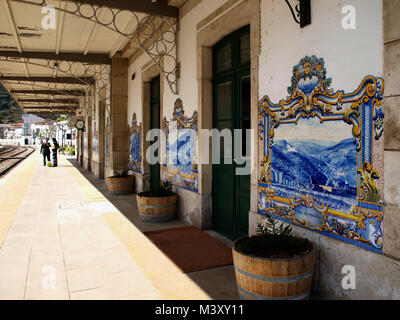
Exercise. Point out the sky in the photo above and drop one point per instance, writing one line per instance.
(312, 129)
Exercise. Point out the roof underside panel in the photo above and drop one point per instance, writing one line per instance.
(22, 31)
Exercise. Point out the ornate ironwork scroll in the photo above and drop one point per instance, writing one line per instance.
(99, 72)
(155, 35)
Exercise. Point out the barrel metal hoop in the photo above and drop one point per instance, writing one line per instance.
(156, 220)
(148, 215)
(275, 279)
(120, 183)
(258, 297)
(120, 192)
(156, 206)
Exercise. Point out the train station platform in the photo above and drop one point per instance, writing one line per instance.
(62, 236)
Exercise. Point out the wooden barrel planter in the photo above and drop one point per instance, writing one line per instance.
(120, 185)
(156, 209)
(273, 279)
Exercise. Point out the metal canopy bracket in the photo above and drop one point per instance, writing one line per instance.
(96, 76)
(69, 80)
(50, 92)
(93, 58)
(75, 101)
(156, 36)
(151, 7)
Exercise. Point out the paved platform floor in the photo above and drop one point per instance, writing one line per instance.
(63, 236)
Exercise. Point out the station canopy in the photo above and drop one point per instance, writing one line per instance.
(53, 53)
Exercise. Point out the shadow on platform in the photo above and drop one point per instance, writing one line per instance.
(217, 282)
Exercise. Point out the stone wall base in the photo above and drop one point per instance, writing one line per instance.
(377, 276)
(87, 164)
(108, 172)
(97, 169)
(140, 182)
(194, 208)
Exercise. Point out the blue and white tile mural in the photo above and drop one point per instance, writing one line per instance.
(95, 142)
(108, 129)
(318, 167)
(181, 149)
(135, 138)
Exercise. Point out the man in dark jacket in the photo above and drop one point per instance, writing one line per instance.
(45, 151)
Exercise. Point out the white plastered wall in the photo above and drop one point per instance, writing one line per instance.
(186, 56)
(349, 55)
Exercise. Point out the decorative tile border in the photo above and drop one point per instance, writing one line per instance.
(317, 170)
(108, 134)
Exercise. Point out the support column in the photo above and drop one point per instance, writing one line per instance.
(81, 147)
(119, 115)
(391, 54)
(77, 144)
(98, 142)
(87, 150)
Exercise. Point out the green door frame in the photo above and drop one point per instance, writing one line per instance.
(155, 124)
(231, 194)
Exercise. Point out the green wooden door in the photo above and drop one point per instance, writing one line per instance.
(155, 124)
(231, 110)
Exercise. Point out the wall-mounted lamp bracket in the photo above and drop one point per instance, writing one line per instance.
(301, 12)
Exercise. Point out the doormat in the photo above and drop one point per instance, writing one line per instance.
(191, 249)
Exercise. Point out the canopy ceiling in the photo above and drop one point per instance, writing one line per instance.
(40, 67)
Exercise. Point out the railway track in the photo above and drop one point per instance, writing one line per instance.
(11, 156)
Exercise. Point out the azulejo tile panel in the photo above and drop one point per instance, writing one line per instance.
(180, 133)
(318, 169)
(135, 140)
(108, 146)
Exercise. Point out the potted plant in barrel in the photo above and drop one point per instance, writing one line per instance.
(273, 264)
(157, 205)
(121, 183)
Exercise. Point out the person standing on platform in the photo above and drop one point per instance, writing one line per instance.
(45, 151)
(54, 149)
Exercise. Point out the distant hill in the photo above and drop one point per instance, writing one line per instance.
(31, 118)
(10, 112)
(307, 164)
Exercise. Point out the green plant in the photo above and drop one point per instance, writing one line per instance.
(273, 241)
(165, 186)
(70, 150)
(122, 173)
(270, 228)
(164, 189)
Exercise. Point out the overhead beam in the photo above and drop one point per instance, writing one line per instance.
(61, 15)
(158, 7)
(94, 58)
(12, 24)
(93, 31)
(69, 80)
(50, 100)
(51, 112)
(27, 110)
(49, 107)
(11, 19)
(45, 114)
(51, 92)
